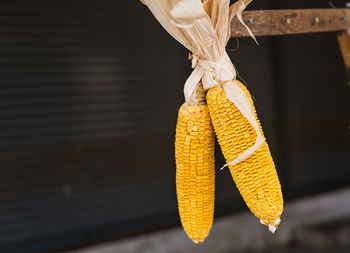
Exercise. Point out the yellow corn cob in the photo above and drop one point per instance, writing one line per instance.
(256, 177)
(195, 170)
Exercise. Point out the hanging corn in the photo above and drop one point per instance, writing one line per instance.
(203, 27)
(195, 170)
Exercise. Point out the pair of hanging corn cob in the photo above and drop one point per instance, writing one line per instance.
(255, 177)
(203, 27)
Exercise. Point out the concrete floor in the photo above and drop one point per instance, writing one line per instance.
(314, 224)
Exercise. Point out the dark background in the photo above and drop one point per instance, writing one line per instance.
(89, 92)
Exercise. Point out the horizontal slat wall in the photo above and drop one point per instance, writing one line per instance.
(86, 122)
(88, 106)
(40, 58)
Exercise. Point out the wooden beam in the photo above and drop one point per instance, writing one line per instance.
(283, 22)
(344, 44)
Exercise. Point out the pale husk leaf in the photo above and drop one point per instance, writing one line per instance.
(205, 31)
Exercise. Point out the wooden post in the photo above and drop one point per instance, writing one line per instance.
(344, 44)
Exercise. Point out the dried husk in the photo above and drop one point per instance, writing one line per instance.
(203, 27)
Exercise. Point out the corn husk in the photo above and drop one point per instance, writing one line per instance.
(203, 27)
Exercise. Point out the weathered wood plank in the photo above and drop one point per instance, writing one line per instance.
(282, 22)
(344, 44)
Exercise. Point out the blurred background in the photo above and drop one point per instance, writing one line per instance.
(89, 93)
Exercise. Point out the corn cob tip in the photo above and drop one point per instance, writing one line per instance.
(197, 241)
(272, 226)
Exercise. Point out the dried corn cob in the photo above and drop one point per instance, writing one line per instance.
(195, 170)
(256, 177)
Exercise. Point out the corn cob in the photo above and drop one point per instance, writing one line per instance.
(195, 170)
(256, 177)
